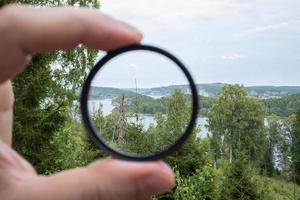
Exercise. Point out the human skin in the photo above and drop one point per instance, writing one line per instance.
(25, 31)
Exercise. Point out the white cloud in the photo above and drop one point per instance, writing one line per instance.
(234, 56)
(133, 65)
(268, 28)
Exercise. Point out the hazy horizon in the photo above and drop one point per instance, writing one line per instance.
(197, 84)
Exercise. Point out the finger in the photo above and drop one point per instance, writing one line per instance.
(109, 179)
(28, 30)
(6, 112)
(11, 161)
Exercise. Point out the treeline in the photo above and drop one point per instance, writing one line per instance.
(282, 107)
(142, 104)
(148, 105)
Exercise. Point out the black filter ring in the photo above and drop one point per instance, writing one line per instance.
(92, 130)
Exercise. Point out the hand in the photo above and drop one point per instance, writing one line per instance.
(25, 31)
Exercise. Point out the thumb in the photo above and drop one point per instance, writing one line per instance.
(109, 179)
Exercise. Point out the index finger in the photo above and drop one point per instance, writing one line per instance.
(27, 30)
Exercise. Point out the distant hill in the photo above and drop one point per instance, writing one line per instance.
(212, 90)
(107, 92)
(112, 93)
(160, 91)
(206, 89)
(266, 92)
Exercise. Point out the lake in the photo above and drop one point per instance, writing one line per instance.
(146, 120)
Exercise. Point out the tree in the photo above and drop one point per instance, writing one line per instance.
(285, 147)
(296, 148)
(273, 136)
(67, 148)
(240, 183)
(39, 110)
(201, 185)
(279, 145)
(193, 154)
(178, 112)
(236, 118)
(137, 141)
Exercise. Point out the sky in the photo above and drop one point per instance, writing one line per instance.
(141, 69)
(253, 42)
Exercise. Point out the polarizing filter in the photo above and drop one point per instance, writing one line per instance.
(139, 103)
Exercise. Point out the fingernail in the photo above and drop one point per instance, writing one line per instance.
(129, 27)
(164, 166)
(125, 26)
(153, 185)
(158, 183)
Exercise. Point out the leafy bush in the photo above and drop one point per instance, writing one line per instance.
(68, 148)
(201, 185)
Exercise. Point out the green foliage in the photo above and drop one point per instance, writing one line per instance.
(136, 103)
(205, 105)
(147, 105)
(195, 176)
(284, 106)
(278, 149)
(134, 138)
(193, 153)
(178, 115)
(240, 182)
(191, 156)
(39, 110)
(296, 148)
(201, 185)
(273, 137)
(139, 141)
(68, 148)
(279, 189)
(238, 119)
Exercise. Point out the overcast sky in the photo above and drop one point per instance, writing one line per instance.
(254, 42)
